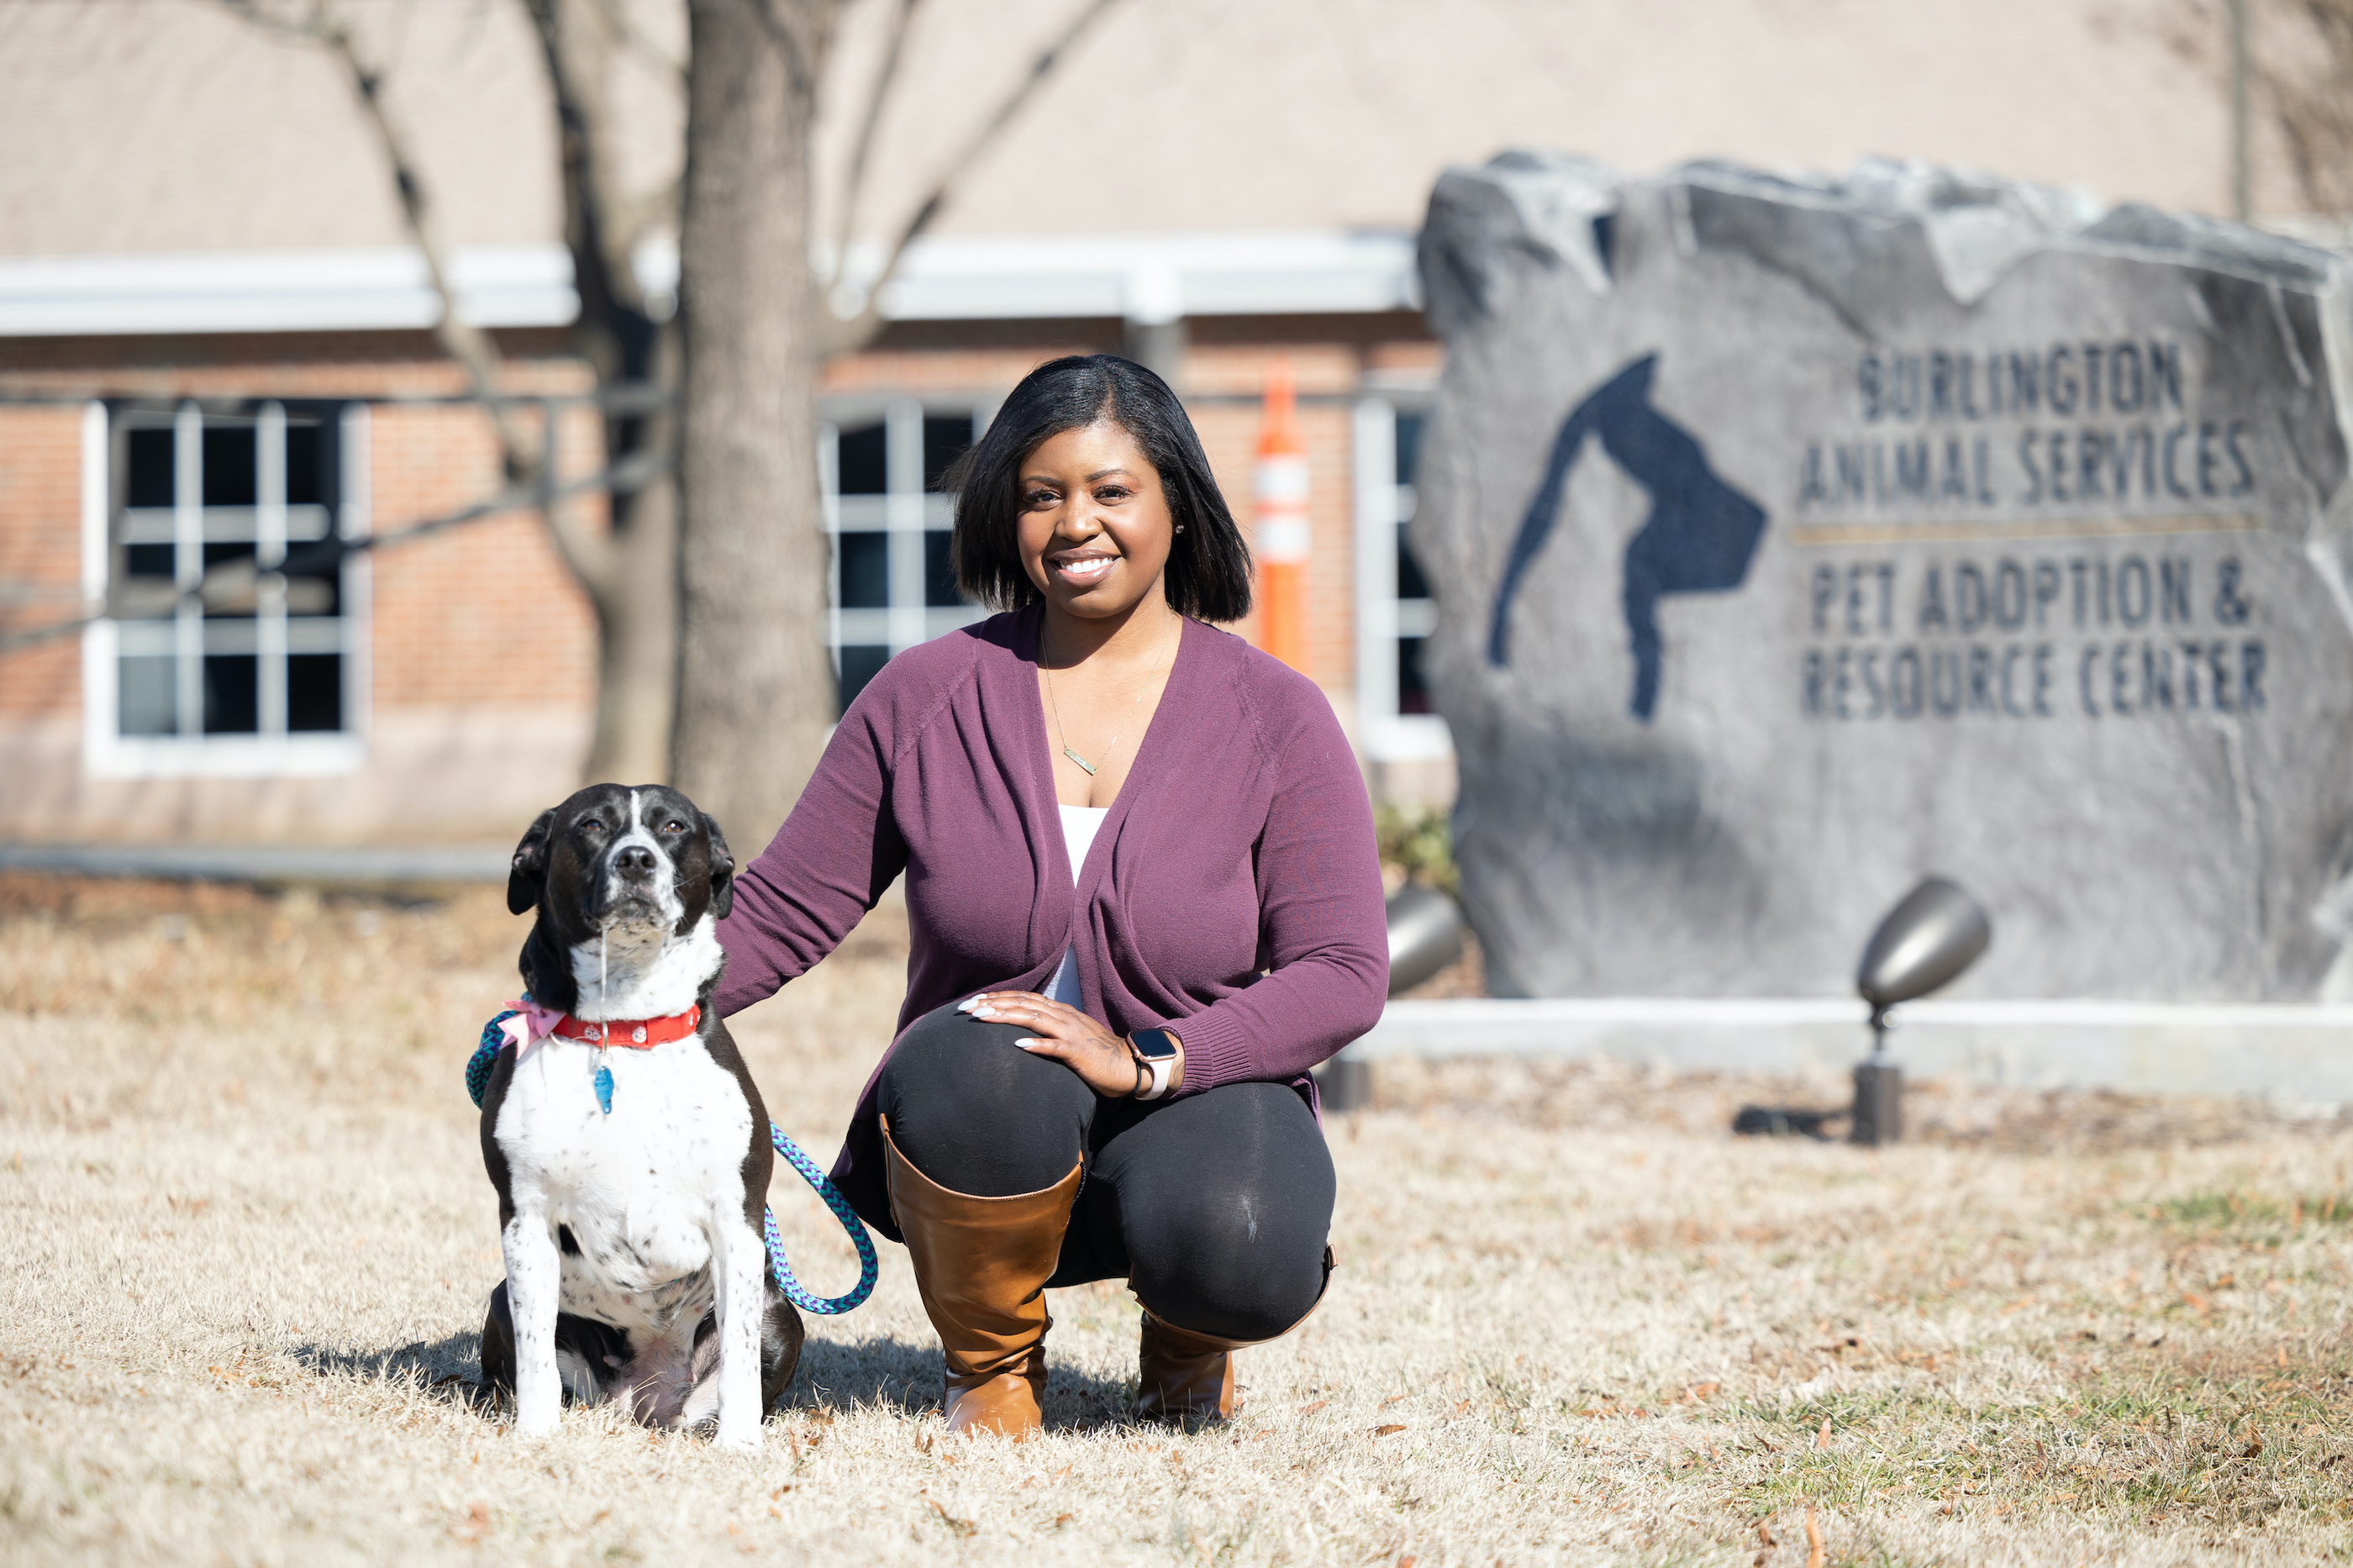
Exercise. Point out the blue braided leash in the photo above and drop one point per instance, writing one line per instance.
(477, 1081)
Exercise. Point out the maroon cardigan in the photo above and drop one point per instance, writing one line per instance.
(1233, 893)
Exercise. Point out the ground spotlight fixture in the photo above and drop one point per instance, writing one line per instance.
(1924, 943)
(1425, 936)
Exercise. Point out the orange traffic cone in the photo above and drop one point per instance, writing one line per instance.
(1283, 541)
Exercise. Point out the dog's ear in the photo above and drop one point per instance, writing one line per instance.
(527, 873)
(723, 869)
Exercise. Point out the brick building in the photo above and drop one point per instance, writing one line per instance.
(213, 340)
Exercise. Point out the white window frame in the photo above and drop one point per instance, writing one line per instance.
(1381, 505)
(905, 513)
(109, 754)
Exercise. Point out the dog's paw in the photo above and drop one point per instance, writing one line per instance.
(537, 1424)
(744, 1441)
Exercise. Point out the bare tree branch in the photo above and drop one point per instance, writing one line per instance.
(798, 64)
(641, 43)
(577, 38)
(322, 23)
(633, 216)
(853, 183)
(632, 473)
(843, 335)
(2309, 86)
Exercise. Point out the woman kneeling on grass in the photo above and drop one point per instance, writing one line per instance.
(1144, 899)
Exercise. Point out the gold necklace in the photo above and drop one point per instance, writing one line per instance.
(1112, 745)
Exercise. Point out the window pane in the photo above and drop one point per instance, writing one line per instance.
(859, 664)
(1409, 447)
(302, 466)
(940, 590)
(865, 571)
(319, 594)
(863, 467)
(314, 691)
(1412, 583)
(231, 593)
(147, 590)
(1413, 692)
(232, 695)
(145, 699)
(151, 468)
(944, 440)
(229, 466)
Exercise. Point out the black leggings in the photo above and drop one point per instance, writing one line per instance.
(1215, 1207)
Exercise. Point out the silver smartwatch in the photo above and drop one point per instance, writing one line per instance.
(1156, 1053)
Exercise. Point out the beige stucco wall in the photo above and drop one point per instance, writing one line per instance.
(148, 125)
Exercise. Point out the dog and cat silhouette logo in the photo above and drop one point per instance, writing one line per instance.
(1699, 537)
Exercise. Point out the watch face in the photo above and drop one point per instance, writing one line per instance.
(1153, 1045)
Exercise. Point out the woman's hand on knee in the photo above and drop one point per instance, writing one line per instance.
(1100, 1058)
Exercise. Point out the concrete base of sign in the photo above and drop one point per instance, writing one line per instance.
(2301, 1055)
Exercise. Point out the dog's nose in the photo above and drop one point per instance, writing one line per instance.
(635, 860)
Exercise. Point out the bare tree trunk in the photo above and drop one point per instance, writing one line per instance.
(755, 685)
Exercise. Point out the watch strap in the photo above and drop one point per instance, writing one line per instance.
(1152, 1074)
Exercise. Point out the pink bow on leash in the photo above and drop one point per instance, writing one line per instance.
(530, 1025)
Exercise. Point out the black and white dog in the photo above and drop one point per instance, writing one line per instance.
(631, 1204)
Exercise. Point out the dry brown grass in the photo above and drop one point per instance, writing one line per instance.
(248, 1241)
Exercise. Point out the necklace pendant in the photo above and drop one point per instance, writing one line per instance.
(603, 1081)
(1082, 762)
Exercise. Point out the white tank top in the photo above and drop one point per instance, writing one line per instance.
(1080, 825)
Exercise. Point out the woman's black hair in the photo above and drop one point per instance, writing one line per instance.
(1208, 565)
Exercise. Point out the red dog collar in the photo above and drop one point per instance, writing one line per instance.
(638, 1033)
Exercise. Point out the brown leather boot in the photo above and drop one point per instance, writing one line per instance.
(1183, 1376)
(981, 1265)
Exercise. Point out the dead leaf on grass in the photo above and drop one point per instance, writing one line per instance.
(1822, 1437)
(963, 1528)
(1816, 1554)
(1312, 1409)
(1385, 1431)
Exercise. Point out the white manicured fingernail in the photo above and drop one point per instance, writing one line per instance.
(967, 1005)
(984, 1012)
(1026, 1045)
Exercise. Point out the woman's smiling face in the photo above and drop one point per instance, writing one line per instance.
(1095, 530)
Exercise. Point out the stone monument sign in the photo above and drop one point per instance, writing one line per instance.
(1795, 539)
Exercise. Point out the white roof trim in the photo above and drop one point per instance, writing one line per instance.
(1143, 278)
(1151, 279)
(278, 291)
